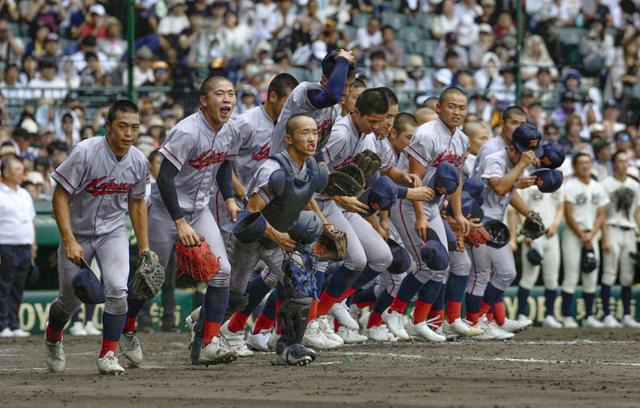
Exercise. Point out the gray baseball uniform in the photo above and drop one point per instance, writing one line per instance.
(431, 145)
(298, 103)
(100, 184)
(364, 244)
(197, 151)
(495, 144)
(490, 264)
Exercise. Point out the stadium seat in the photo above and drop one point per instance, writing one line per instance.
(395, 20)
(361, 19)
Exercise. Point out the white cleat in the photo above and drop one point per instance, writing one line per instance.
(380, 334)
(77, 329)
(592, 322)
(6, 332)
(109, 364)
(628, 321)
(91, 329)
(491, 331)
(259, 341)
(351, 336)
(422, 331)
(550, 322)
(395, 322)
(130, 348)
(21, 333)
(461, 327)
(569, 323)
(273, 339)
(55, 357)
(217, 352)
(327, 328)
(364, 322)
(314, 337)
(341, 312)
(235, 341)
(514, 326)
(502, 334)
(610, 322)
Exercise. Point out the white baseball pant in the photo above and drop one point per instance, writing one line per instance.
(571, 250)
(495, 265)
(550, 264)
(244, 259)
(623, 243)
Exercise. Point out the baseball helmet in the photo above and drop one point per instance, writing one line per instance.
(248, 227)
(307, 229)
(588, 262)
(499, 232)
(401, 259)
(433, 253)
(87, 287)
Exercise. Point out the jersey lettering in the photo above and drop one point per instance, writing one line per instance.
(263, 153)
(581, 199)
(207, 158)
(108, 187)
(448, 157)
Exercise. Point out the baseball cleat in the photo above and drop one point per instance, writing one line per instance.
(569, 322)
(130, 348)
(422, 331)
(351, 336)
(327, 328)
(610, 322)
(592, 322)
(628, 321)
(55, 357)
(259, 341)
(273, 339)
(195, 341)
(395, 322)
(514, 326)
(77, 329)
(314, 337)
(295, 355)
(340, 312)
(21, 333)
(91, 329)
(550, 322)
(461, 327)
(217, 352)
(380, 333)
(108, 364)
(364, 322)
(501, 333)
(235, 341)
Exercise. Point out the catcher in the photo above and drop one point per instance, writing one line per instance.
(89, 210)
(280, 190)
(493, 269)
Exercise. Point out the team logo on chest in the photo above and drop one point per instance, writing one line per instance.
(581, 199)
(448, 157)
(207, 158)
(595, 199)
(98, 186)
(261, 154)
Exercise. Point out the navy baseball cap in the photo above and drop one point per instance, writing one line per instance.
(328, 64)
(87, 287)
(548, 180)
(433, 253)
(534, 255)
(445, 180)
(401, 259)
(475, 186)
(527, 137)
(588, 261)
(552, 155)
(248, 227)
(470, 207)
(382, 194)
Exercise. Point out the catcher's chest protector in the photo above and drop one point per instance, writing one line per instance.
(291, 194)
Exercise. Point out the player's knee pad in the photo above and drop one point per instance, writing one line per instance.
(115, 306)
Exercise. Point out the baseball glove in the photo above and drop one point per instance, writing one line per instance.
(148, 278)
(478, 237)
(367, 161)
(333, 242)
(198, 262)
(348, 181)
(533, 227)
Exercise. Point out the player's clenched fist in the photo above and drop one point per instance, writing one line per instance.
(348, 55)
(74, 252)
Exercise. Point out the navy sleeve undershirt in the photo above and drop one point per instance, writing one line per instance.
(167, 188)
(332, 93)
(223, 179)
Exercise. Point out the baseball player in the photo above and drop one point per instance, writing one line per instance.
(102, 178)
(619, 238)
(196, 154)
(256, 129)
(434, 142)
(544, 251)
(318, 99)
(585, 208)
(478, 134)
(512, 118)
(348, 105)
(493, 269)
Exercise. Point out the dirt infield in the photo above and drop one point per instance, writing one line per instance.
(579, 368)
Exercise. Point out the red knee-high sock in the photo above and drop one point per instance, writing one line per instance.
(454, 311)
(398, 305)
(375, 319)
(490, 317)
(346, 294)
(130, 324)
(484, 308)
(262, 323)
(238, 322)
(365, 304)
(279, 327)
(325, 303)
(53, 336)
(107, 346)
(421, 311)
(499, 313)
(437, 316)
(211, 330)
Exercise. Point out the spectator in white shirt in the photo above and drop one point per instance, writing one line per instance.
(17, 245)
(370, 36)
(48, 84)
(173, 23)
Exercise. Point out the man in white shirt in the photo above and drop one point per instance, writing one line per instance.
(17, 245)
